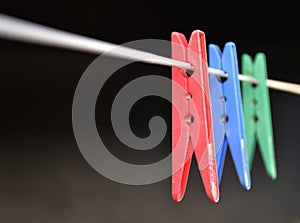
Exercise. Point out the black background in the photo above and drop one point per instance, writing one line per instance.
(44, 177)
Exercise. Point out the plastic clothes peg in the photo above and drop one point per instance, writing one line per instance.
(218, 111)
(257, 113)
(227, 112)
(191, 117)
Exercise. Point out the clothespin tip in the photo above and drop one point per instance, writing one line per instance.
(247, 185)
(273, 176)
(272, 172)
(214, 195)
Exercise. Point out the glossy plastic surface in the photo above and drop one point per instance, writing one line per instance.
(195, 136)
(218, 109)
(232, 107)
(249, 102)
(257, 110)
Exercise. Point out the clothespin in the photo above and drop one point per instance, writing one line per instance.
(191, 117)
(227, 112)
(257, 112)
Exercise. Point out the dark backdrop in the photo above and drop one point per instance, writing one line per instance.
(44, 177)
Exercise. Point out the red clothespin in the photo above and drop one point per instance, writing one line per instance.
(191, 117)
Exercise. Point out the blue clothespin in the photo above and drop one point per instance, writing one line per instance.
(227, 112)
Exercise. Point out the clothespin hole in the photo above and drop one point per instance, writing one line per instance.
(189, 72)
(224, 118)
(254, 118)
(254, 101)
(222, 79)
(188, 96)
(223, 99)
(254, 85)
(189, 119)
(192, 119)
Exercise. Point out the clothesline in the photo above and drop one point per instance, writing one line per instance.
(25, 31)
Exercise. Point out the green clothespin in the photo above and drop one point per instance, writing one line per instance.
(257, 113)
